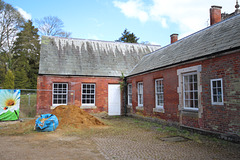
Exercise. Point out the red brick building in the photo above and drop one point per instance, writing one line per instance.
(86, 73)
(194, 81)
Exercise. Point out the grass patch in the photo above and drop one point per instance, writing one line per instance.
(20, 128)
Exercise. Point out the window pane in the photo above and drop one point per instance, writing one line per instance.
(185, 79)
(88, 94)
(190, 90)
(219, 98)
(195, 78)
(218, 83)
(60, 93)
(191, 103)
(187, 95)
(195, 95)
(214, 84)
(214, 91)
(196, 103)
(219, 91)
(214, 98)
(190, 78)
(191, 95)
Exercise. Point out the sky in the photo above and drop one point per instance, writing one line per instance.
(150, 20)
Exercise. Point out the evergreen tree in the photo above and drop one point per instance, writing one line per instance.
(8, 80)
(27, 54)
(21, 79)
(128, 37)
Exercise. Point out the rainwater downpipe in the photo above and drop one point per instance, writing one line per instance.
(125, 95)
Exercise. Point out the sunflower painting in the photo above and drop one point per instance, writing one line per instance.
(9, 104)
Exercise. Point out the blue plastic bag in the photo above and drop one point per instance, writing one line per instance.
(46, 123)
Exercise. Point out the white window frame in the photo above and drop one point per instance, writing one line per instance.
(54, 92)
(180, 72)
(157, 92)
(140, 93)
(192, 91)
(88, 94)
(217, 87)
(129, 94)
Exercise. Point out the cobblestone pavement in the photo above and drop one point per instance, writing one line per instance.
(145, 144)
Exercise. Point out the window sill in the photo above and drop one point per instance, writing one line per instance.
(159, 110)
(88, 107)
(139, 108)
(55, 105)
(217, 104)
(190, 110)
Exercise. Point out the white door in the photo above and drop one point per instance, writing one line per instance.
(114, 100)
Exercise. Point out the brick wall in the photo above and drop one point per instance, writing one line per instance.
(220, 118)
(170, 95)
(44, 98)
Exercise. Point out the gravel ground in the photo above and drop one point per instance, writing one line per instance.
(143, 142)
(123, 138)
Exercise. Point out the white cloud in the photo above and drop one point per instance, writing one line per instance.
(25, 15)
(133, 9)
(188, 15)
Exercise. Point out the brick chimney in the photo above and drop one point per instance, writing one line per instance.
(215, 14)
(174, 38)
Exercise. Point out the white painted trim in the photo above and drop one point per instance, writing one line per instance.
(129, 94)
(88, 107)
(184, 106)
(197, 68)
(54, 105)
(216, 103)
(140, 105)
(88, 104)
(156, 99)
(189, 70)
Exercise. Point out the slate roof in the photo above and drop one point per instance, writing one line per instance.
(81, 57)
(219, 37)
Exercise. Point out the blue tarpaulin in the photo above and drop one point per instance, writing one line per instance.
(46, 123)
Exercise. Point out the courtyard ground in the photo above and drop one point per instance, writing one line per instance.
(121, 138)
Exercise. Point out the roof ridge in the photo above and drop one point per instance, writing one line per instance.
(102, 41)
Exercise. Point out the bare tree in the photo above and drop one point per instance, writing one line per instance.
(10, 22)
(51, 26)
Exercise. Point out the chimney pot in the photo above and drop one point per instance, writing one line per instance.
(174, 37)
(215, 14)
